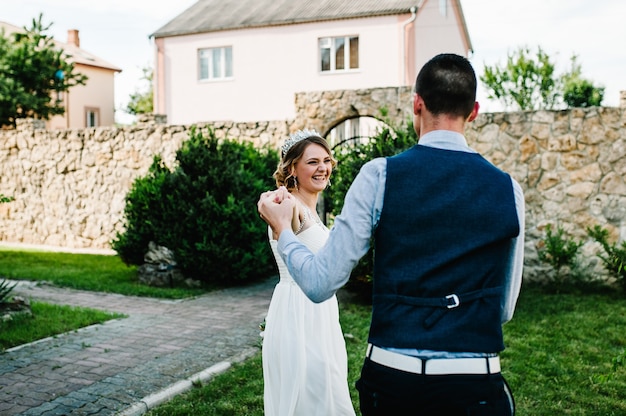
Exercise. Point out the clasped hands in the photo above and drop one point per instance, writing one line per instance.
(276, 208)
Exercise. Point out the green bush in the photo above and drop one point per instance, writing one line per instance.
(389, 141)
(614, 258)
(560, 252)
(578, 91)
(4, 199)
(204, 210)
(582, 93)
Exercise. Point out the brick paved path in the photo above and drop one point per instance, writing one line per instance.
(120, 367)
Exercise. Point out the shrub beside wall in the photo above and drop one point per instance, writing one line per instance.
(203, 209)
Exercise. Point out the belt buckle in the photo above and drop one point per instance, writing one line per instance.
(453, 301)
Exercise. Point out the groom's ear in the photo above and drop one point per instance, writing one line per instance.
(417, 103)
(474, 112)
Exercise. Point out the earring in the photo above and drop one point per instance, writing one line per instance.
(295, 182)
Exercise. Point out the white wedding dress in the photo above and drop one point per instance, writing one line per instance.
(305, 365)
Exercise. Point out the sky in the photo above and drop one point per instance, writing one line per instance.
(118, 31)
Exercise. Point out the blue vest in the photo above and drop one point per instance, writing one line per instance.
(441, 251)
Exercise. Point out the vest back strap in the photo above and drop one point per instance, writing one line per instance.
(442, 304)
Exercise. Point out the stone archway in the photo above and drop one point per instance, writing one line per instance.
(322, 110)
(354, 131)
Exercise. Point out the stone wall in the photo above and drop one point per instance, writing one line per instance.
(69, 185)
(571, 165)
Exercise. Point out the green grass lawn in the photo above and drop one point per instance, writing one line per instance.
(99, 273)
(562, 350)
(46, 321)
(565, 356)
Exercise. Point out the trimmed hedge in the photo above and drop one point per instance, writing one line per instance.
(204, 210)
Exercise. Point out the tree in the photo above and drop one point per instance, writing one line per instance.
(33, 74)
(580, 92)
(142, 102)
(527, 82)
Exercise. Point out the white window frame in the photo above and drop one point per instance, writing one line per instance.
(330, 44)
(92, 117)
(443, 7)
(215, 64)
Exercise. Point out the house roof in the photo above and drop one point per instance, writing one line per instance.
(81, 56)
(215, 15)
(75, 53)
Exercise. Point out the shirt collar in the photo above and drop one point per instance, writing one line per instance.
(445, 139)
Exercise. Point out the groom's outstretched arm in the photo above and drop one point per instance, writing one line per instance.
(321, 274)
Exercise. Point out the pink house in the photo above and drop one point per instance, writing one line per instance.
(92, 104)
(243, 60)
(89, 105)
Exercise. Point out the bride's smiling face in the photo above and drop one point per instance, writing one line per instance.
(313, 169)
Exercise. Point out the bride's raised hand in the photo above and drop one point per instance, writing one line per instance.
(276, 208)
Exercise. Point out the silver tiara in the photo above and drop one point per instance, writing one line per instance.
(296, 137)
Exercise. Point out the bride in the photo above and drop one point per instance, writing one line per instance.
(304, 354)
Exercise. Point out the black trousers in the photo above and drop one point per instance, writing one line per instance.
(385, 391)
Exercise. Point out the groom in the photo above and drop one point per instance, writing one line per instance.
(449, 245)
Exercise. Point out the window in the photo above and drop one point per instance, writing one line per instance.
(339, 53)
(92, 117)
(443, 7)
(215, 63)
